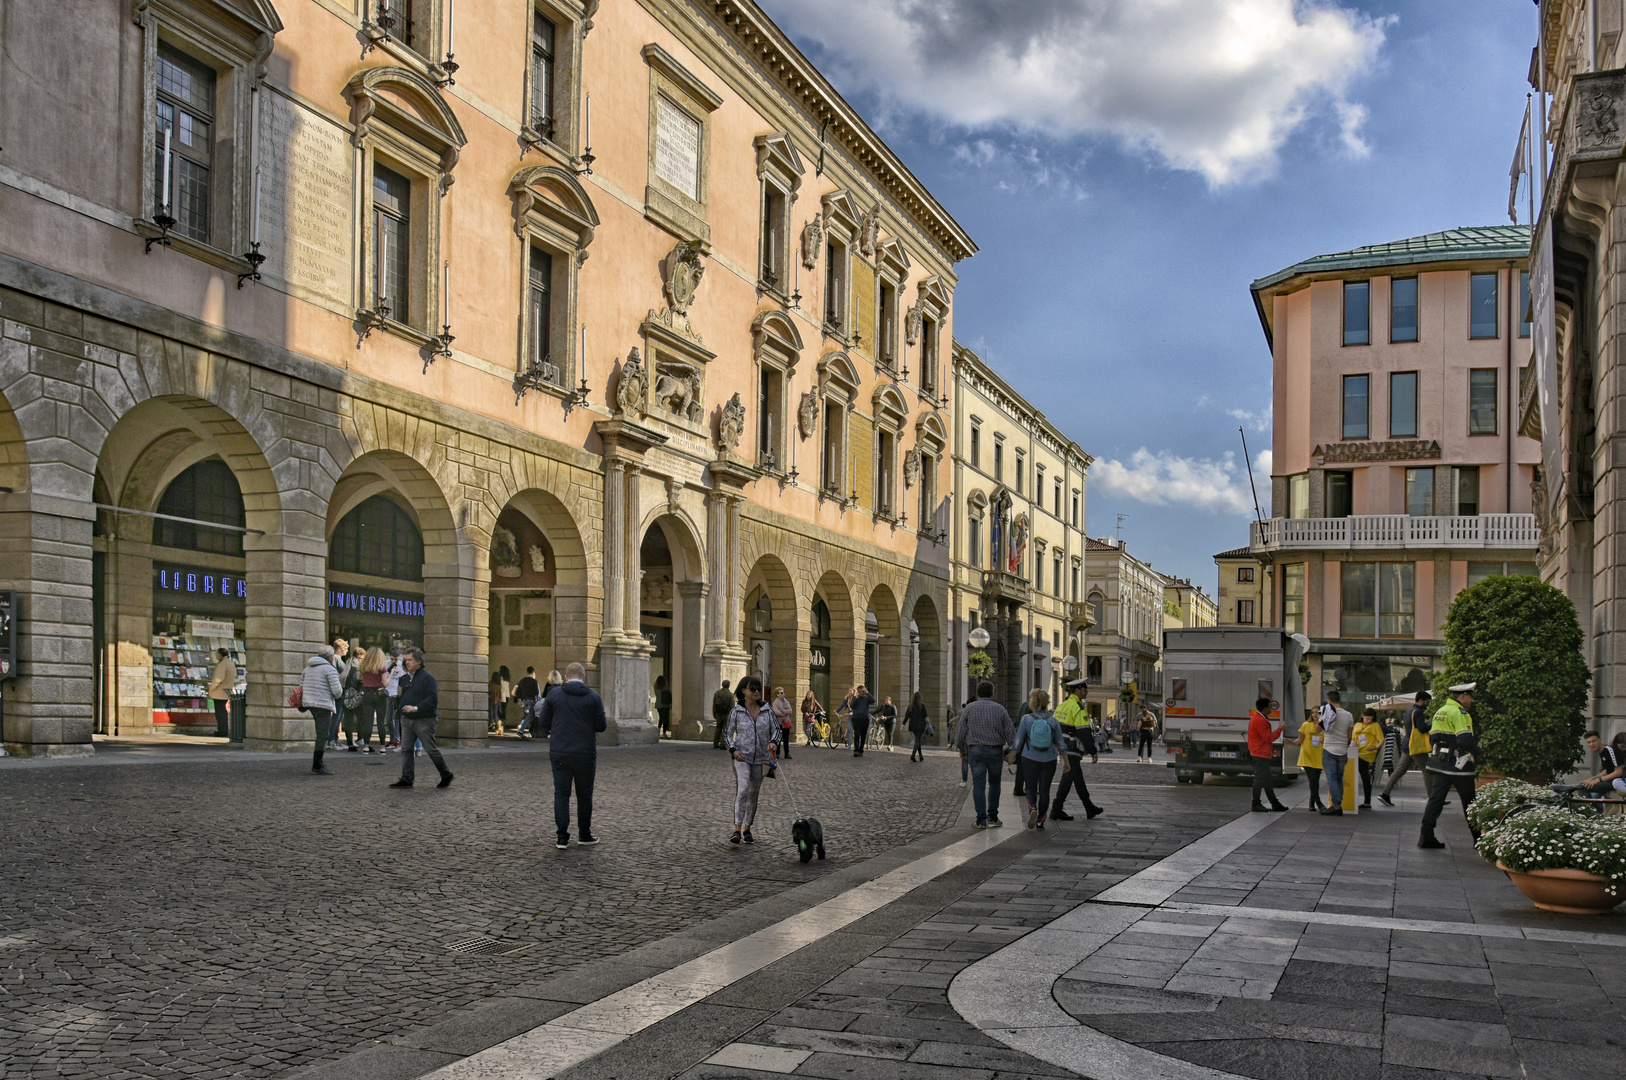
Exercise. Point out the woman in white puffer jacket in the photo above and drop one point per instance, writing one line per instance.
(749, 736)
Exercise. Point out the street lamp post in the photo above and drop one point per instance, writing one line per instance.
(977, 639)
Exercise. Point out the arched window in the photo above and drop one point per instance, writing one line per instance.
(207, 491)
(378, 539)
(821, 620)
(1098, 612)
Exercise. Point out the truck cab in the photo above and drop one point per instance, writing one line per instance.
(1212, 677)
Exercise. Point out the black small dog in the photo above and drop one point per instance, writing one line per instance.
(808, 835)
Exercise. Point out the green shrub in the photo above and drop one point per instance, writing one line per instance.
(1550, 838)
(1519, 639)
(981, 665)
(1493, 800)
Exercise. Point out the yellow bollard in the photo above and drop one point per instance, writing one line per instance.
(1352, 777)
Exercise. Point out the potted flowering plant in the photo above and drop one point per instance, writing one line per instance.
(1563, 860)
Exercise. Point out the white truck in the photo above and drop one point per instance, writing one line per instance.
(1212, 677)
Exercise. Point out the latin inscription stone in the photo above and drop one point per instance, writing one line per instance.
(306, 167)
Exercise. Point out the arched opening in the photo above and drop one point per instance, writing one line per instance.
(776, 628)
(886, 661)
(538, 614)
(818, 671)
(375, 575)
(670, 618)
(836, 656)
(931, 647)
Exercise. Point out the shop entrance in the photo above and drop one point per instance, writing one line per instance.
(375, 577)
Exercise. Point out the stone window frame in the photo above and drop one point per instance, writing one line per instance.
(779, 171)
(892, 265)
(1040, 546)
(925, 320)
(664, 204)
(424, 147)
(838, 386)
(553, 211)
(429, 38)
(1074, 578)
(842, 220)
(776, 345)
(931, 440)
(976, 510)
(891, 414)
(235, 40)
(572, 19)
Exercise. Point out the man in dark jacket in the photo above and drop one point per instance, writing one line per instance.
(529, 692)
(571, 718)
(722, 703)
(417, 708)
(858, 704)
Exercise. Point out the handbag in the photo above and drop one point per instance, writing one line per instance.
(297, 698)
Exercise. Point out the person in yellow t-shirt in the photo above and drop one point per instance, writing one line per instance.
(1311, 734)
(1369, 742)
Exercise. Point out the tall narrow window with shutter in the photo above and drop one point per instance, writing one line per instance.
(541, 314)
(542, 71)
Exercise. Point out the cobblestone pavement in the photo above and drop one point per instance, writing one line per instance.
(237, 916)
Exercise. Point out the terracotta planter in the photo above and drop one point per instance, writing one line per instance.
(1573, 892)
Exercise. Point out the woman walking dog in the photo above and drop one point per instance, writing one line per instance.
(749, 735)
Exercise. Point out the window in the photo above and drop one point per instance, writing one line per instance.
(928, 355)
(976, 446)
(928, 488)
(1420, 492)
(1298, 495)
(1072, 591)
(1021, 470)
(1403, 405)
(1378, 600)
(973, 541)
(999, 460)
(886, 350)
(1074, 518)
(1482, 401)
(1098, 609)
(680, 108)
(1293, 598)
(1244, 612)
(207, 491)
(774, 256)
(1524, 303)
(378, 539)
(1465, 490)
(392, 244)
(541, 317)
(886, 473)
(1244, 575)
(1357, 390)
(1057, 500)
(1340, 493)
(543, 69)
(834, 450)
(394, 17)
(1403, 309)
(1482, 321)
(1357, 313)
(770, 417)
(1479, 571)
(1038, 570)
(835, 287)
(185, 142)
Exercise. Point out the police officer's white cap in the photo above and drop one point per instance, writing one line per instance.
(1464, 688)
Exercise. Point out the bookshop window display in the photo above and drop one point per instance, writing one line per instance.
(375, 583)
(196, 611)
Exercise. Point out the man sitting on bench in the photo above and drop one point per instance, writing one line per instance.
(1613, 762)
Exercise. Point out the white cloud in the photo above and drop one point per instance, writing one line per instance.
(1211, 86)
(1165, 479)
(1258, 420)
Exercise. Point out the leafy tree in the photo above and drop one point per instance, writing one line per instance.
(1519, 639)
(981, 665)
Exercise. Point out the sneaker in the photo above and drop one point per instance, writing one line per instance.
(1430, 843)
(561, 844)
(367, 749)
(980, 825)
(352, 748)
(322, 770)
(445, 781)
(734, 837)
(994, 823)
(1385, 799)
(962, 783)
(1279, 808)
(1033, 816)
(1061, 815)
(402, 783)
(746, 837)
(588, 840)
(1332, 812)
(1040, 826)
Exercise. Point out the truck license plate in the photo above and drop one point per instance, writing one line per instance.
(1229, 755)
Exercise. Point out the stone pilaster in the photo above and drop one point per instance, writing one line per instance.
(615, 550)
(286, 622)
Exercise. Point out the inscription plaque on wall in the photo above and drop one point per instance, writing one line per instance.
(305, 167)
(1393, 450)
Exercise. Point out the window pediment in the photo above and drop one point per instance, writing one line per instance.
(775, 330)
(556, 197)
(777, 154)
(929, 430)
(412, 106)
(933, 295)
(889, 406)
(836, 369)
(840, 208)
(892, 257)
(244, 28)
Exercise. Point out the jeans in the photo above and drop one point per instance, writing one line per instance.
(580, 771)
(1261, 783)
(919, 749)
(1366, 768)
(222, 729)
(747, 786)
(1073, 780)
(985, 773)
(1145, 746)
(423, 730)
(336, 719)
(1439, 788)
(527, 713)
(1333, 765)
(392, 718)
(1036, 776)
(322, 718)
(860, 734)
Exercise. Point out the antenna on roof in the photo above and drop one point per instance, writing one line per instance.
(1120, 533)
(1246, 460)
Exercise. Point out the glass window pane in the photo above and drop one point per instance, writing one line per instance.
(1358, 600)
(1357, 312)
(1396, 599)
(1420, 492)
(1479, 571)
(1298, 495)
(1524, 303)
(1403, 405)
(1523, 568)
(1340, 494)
(1465, 480)
(1482, 401)
(1355, 406)
(1482, 311)
(192, 204)
(184, 78)
(1293, 598)
(1403, 309)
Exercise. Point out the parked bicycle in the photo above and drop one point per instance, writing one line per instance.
(1577, 797)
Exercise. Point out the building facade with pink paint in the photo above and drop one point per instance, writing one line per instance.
(1398, 476)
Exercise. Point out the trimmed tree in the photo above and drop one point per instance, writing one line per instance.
(1519, 639)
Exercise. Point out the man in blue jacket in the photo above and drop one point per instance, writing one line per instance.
(416, 705)
(572, 716)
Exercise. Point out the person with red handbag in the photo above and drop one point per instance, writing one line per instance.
(319, 691)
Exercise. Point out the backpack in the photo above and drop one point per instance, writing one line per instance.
(1039, 733)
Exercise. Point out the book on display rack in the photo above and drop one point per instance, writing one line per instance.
(181, 670)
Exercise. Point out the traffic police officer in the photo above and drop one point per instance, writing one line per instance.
(1079, 737)
(1451, 761)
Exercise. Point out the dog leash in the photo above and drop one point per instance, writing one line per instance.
(783, 775)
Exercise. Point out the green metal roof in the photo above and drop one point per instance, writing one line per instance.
(1452, 245)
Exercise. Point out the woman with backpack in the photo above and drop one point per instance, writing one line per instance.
(1037, 743)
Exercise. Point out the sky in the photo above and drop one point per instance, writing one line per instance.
(1128, 167)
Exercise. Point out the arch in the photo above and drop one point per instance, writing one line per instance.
(776, 328)
(13, 450)
(929, 428)
(525, 628)
(789, 633)
(556, 195)
(933, 670)
(682, 537)
(837, 366)
(409, 102)
(887, 653)
(846, 632)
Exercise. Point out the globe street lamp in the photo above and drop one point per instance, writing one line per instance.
(977, 639)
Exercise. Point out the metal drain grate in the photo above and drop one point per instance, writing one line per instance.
(486, 946)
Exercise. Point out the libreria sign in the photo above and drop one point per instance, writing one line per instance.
(383, 605)
(202, 583)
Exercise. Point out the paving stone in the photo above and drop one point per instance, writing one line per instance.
(1455, 1045)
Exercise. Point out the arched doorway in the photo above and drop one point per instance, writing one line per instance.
(885, 661)
(670, 619)
(375, 575)
(931, 647)
(835, 655)
(774, 625)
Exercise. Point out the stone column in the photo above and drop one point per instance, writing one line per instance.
(615, 550)
(286, 621)
(717, 557)
(723, 658)
(623, 654)
(455, 651)
(732, 569)
(691, 695)
(632, 537)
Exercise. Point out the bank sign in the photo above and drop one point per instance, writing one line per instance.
(375, 602)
